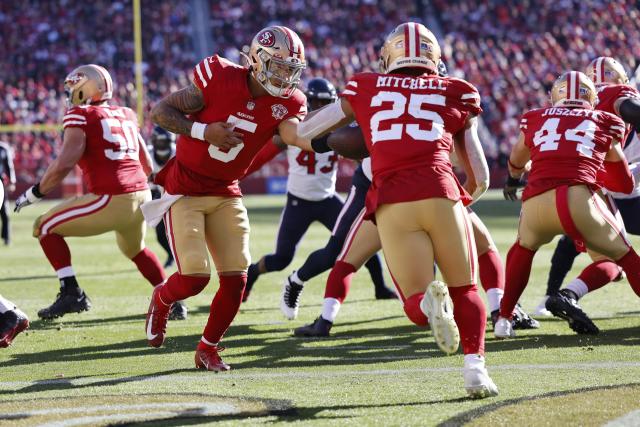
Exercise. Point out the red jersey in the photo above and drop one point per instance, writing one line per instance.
(609, 94)
(408, 124)
(110, 163)
(568, 146)
(201, 169)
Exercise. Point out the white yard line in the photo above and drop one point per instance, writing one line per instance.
(233, 375)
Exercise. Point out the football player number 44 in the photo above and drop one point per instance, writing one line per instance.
(414, 106)
(548, 137)
(227, 156)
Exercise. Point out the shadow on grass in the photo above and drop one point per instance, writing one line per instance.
(80, 276)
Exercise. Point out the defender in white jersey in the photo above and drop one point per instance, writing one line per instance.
(311, 191)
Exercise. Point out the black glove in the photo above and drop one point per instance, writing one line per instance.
(320, 145)
(511, 187)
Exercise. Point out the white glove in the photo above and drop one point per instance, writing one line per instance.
(29, 197)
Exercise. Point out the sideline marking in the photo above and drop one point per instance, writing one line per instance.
(234, 375)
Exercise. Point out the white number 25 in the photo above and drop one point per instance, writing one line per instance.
(416, 101)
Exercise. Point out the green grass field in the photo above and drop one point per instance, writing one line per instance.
(96, 368)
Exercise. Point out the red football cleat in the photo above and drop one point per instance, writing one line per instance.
(11, 324)
(209, 359)
(157, 317)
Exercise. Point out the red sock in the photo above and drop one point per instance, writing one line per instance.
(519, 261)
(599, 273)
(491, 270)
(150, 267)
(224, 307)
(179, 287)
(56, 250)
(413, 310)
(630, 263)
(471, 318)
(339, 281)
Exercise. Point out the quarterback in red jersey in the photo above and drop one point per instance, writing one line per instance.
(569, 144)
(224, 118)
(410, 118)
(617, 97)
(105, 142)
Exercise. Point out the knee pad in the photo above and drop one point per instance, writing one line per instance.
(414, 312)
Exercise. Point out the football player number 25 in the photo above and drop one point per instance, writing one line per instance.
(398, 108)
(227, 156)
(547, 137)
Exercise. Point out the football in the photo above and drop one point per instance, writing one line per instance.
(349, 142)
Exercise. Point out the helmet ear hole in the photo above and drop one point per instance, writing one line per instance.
(80, 95)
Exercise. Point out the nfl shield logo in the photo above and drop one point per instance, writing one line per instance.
(251, 105)
(278, 111)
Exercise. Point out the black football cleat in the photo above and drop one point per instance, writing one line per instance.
(319, 328)
(386, 293)
(66, 303)
(11, 324)
(178, 311)
(522, 320)
(565, 306)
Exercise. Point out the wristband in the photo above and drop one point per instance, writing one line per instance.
(197, 130)
(36, 191)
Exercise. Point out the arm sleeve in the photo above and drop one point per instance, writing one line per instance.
(268, 152)
(617, 177)
(630, 111)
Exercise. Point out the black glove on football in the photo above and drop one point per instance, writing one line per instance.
(320, 145)
(511, 187)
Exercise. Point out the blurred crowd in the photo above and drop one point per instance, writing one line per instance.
(43, 40)
(511, 50)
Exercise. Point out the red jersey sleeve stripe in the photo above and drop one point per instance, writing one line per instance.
(200, 76)
(207, 68)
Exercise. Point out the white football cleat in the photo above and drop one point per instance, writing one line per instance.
(290, 300)
(541, 309)
(438, 308)
(504, 328)
(478, 383)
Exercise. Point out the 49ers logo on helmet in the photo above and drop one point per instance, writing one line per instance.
(75, 78)
(266, 38)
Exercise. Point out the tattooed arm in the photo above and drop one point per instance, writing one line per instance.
(171, 114)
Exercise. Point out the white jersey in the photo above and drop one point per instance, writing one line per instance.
(366, 168)
(632, 153)
(312, 176)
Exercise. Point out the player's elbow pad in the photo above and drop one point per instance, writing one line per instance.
(630, 111)
(322, 121)
(618, 177)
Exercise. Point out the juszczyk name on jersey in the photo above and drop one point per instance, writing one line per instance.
(409, 83)
(575, 112)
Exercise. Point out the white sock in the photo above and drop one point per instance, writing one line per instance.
(330, 309)
(6, 305)
(295, 279)
(204, 340)
(578, 287)
(494, 295)
(65, 272)
(473, 361)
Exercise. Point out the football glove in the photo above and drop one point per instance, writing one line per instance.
(511, 187)
(29, 197)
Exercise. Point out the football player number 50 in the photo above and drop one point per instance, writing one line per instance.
(398, 107)
(227, 156)
(127, 140)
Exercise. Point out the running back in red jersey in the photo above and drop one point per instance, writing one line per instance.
(110, 163)
(408, 124)
(568, 146)
(203, 169)
(609, 94)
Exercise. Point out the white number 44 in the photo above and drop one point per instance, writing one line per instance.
(547, 137)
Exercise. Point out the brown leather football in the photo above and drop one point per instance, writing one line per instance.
(348, 142)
